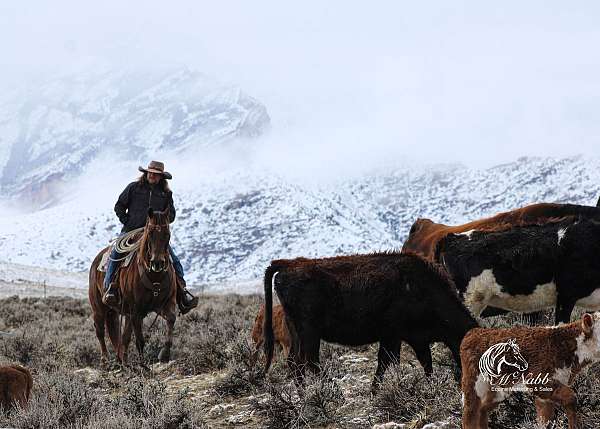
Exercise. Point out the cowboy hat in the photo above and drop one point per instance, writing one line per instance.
(156, 167)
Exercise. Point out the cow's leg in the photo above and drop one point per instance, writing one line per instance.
(471, 409)
(99, 324)
(311, 352)
(565, 397)
(423, 353)
(456, 367)
(484, 413)
(545, 411)
(165, 352)
(139, 336)
(295, 363)
(564, 308)
(389, 352)
(285, 350)
(256, 352)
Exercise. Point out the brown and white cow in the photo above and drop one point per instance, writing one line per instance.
(363, 299)
(425, 234)
(15, 386)
(280, 331)
(541, 360)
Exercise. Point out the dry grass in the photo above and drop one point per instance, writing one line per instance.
(212, 382)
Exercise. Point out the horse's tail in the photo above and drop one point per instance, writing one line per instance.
(268, 322)
(112, 326)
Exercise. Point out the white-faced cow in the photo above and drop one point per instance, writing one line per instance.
(542, 361)
(528, 268)
(362, 299)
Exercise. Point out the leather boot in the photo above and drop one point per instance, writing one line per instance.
(186, 300)
(111, 296)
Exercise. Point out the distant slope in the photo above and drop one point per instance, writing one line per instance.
(229, 227)
(49, 132)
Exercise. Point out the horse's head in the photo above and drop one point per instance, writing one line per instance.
(511, 355)
(155, 241)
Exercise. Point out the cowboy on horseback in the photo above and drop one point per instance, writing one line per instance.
(151, 190)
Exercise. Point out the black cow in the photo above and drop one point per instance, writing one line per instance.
(527, 268)
(362, 299)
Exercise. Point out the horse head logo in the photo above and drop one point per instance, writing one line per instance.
(502, 355)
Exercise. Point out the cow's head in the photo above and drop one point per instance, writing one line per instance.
(588, 343)
(419, 229)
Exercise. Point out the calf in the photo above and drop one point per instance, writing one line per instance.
(543, 361)
(15, 386)
(528, 268)
(280, 331)
(362, 299)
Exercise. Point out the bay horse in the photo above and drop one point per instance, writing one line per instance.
(147, 284)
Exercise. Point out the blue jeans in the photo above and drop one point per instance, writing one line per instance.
(113, 265)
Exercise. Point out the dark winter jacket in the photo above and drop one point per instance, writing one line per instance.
(133, 203)
(598, 203)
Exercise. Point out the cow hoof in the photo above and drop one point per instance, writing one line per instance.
(164, 356)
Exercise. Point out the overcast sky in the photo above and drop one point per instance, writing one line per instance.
(476, 82)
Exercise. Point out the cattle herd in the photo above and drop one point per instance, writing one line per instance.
(537, 257)
(436, 289)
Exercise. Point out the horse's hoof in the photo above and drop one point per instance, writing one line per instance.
(164, 356)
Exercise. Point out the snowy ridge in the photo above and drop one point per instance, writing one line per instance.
(230, 226)
(50, 132)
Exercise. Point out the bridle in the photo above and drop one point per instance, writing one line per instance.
(148, 264)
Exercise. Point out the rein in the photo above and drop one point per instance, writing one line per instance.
(156, 288)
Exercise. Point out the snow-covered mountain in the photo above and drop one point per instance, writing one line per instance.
(230, 225)
(50, 131)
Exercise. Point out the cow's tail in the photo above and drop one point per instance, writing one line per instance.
(268, 322)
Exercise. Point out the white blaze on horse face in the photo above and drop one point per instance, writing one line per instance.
(484, 290)
(590, 302)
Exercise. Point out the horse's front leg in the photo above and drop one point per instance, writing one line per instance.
(125, 340)
(137, 321)
(165, 352)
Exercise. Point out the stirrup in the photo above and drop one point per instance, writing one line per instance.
(111, 296)
(185, 308)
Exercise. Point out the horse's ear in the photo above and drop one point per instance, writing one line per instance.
(587, 323)
(150, 212)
